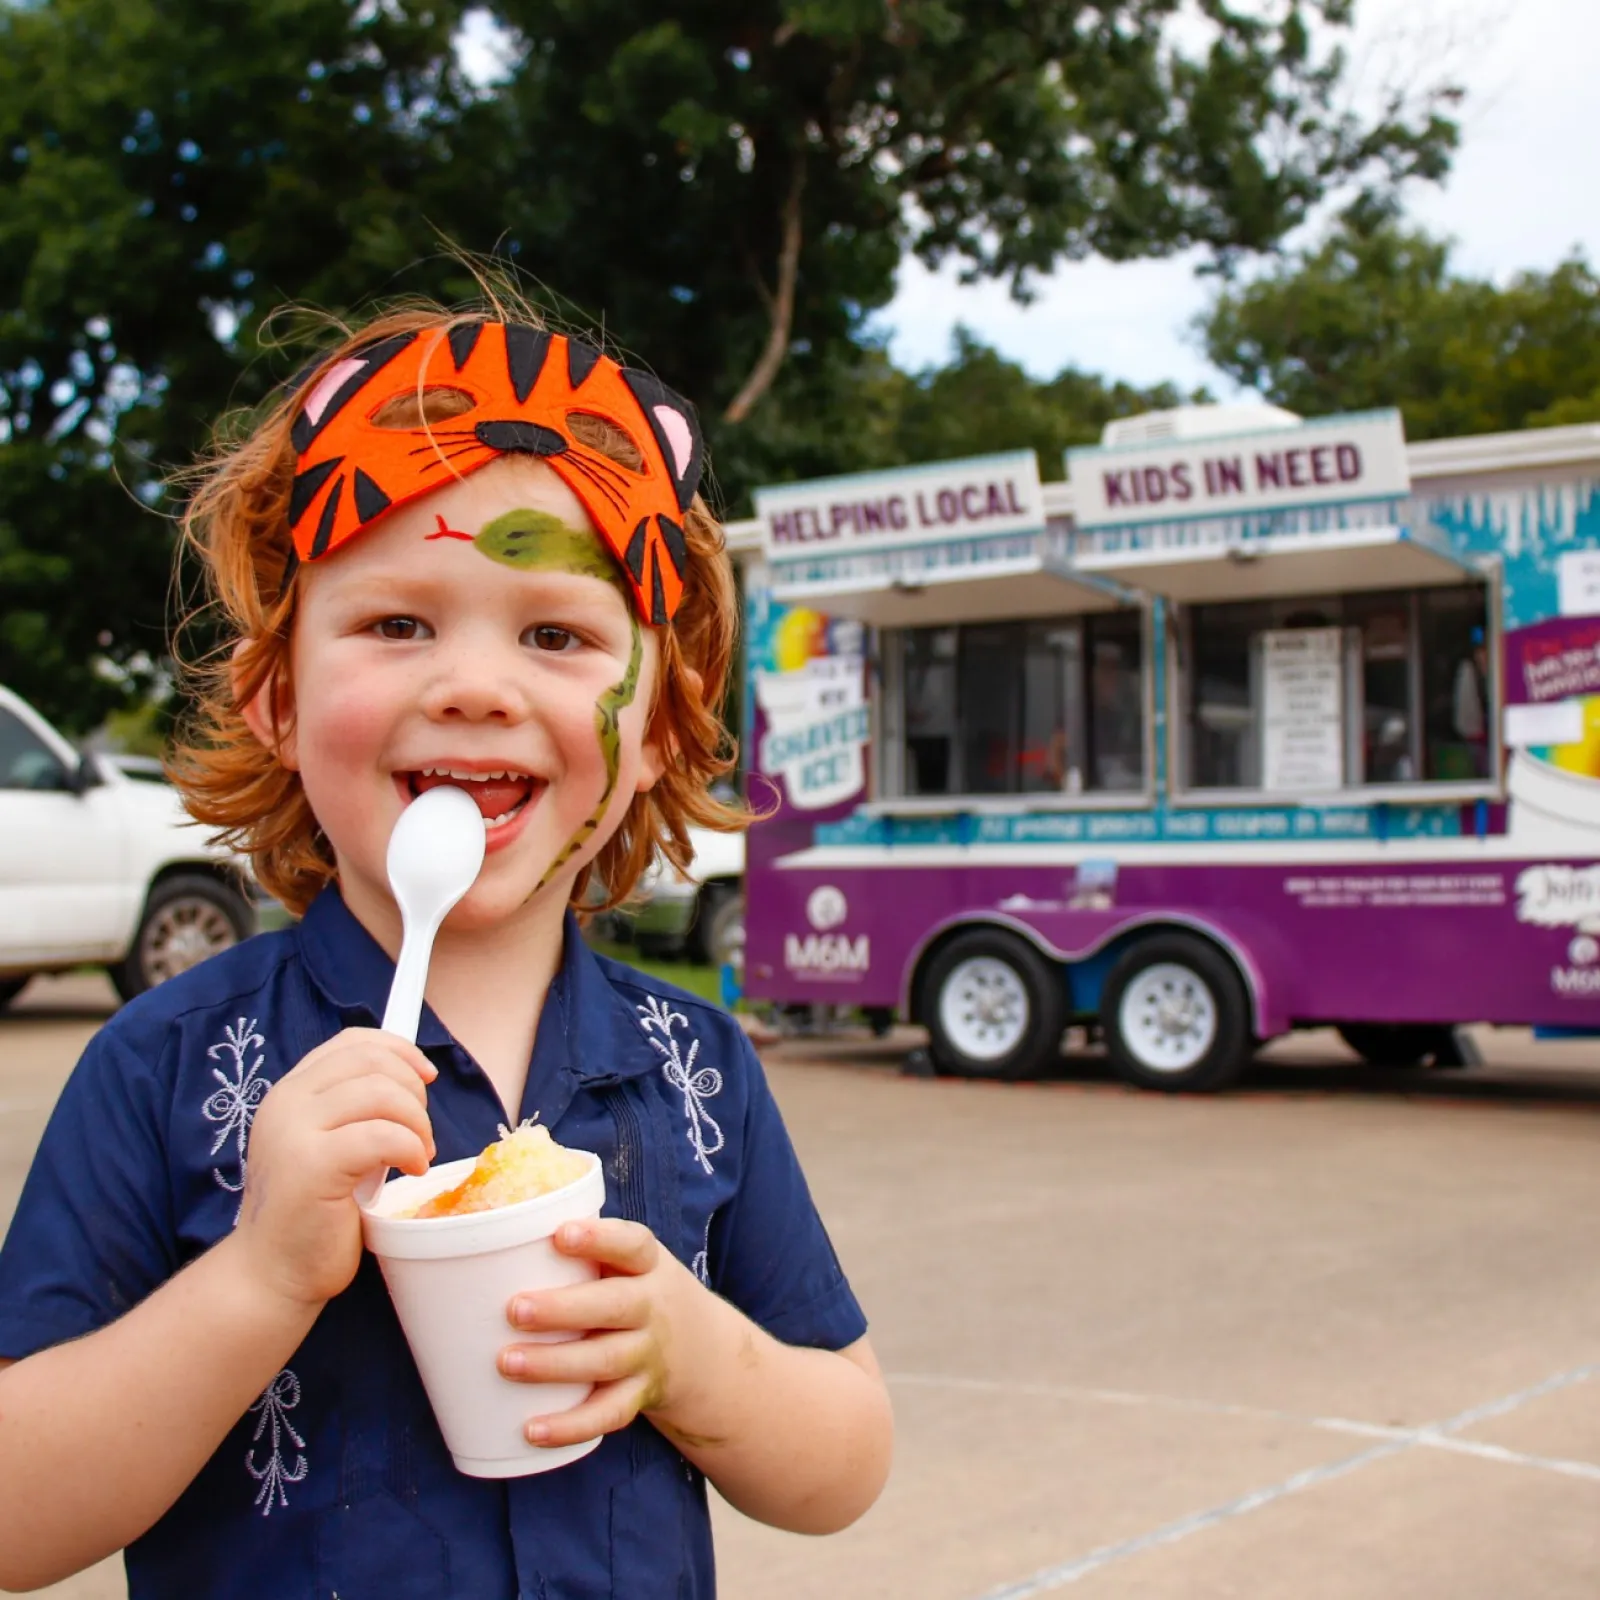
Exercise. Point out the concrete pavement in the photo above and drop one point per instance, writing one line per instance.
(1335, 1334)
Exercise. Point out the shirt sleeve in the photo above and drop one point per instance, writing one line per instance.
(770, 1254)
(92, 1234)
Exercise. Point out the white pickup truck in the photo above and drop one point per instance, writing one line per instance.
(101, 867)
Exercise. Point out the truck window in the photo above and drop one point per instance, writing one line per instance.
(1414, 697)
(26, 761)
(1042, 706)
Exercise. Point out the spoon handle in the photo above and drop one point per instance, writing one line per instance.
(401, 1015)
(404, 1010)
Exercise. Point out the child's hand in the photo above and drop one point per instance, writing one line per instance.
(355, 1103)
(629, 1315)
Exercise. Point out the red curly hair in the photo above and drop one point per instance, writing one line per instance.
(237, 523)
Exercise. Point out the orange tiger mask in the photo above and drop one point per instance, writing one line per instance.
(509, 390)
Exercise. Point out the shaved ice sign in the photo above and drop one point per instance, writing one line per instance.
(816, 730)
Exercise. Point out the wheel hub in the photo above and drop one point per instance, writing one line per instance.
(1168, 1017)
(183, 934)
(983, 1008)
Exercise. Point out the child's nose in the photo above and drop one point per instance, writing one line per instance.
(475, 691)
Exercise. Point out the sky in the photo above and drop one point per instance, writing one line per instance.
(1524, 190)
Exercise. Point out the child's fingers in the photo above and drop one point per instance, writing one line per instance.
(604, 1303)
(608, 1410)
(358, 1147)
(358, 1050)
(602, 1358)
(623, 1246)
(373, 1098)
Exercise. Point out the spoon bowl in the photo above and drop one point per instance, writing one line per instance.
(435, 855)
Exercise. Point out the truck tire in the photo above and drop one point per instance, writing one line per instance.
(993, 1007)
(187, 917)
(1175, 1015)
(1403, 1044)
(717, 937)
(10, 988)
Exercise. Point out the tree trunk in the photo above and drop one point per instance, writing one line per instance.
(780, 304)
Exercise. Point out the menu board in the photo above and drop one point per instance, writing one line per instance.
(1302, 709)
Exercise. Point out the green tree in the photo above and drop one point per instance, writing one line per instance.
(980, 402)
(735, 185)
(1373, 315)
(170, 171)
(726, 191)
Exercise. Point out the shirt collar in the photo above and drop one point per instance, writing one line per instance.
(587, 1030)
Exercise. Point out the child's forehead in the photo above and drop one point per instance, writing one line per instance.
(513, 483)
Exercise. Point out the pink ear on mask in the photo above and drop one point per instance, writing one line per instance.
(676, 428)
(332, 381)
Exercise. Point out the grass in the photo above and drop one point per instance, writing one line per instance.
(699, 980)
(703, 981)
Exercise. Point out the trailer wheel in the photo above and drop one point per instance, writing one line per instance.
(993, 1006)
(1176, 1015)
(1403, 1044)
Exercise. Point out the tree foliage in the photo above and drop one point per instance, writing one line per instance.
(1374, 315)
(726, 191)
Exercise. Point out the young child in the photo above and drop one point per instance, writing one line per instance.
(464, 551)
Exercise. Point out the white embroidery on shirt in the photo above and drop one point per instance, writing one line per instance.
(234, 1105)
(279, 1397)
(701, 1265)
(705, 1136)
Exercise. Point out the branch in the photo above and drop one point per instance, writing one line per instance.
(780, 304)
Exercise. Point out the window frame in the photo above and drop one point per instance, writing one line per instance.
(887, 767)
(1181, 794)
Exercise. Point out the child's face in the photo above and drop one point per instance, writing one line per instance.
(482, 631)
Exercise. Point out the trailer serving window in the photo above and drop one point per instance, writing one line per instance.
(1313, 693)
(1041, 706)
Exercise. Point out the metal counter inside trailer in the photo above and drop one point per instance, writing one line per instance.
(1252, 724)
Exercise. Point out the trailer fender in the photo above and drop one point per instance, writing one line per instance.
(1087, 945)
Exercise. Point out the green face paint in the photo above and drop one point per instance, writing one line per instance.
(608, 711)
(535, 541)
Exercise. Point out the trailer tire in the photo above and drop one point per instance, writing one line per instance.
(993, 1007)
(1176, 1015)
(1403, 1044)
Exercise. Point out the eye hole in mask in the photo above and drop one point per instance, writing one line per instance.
(605, 437)
(437, 403)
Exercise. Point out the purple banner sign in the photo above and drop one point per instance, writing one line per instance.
(1558, 659)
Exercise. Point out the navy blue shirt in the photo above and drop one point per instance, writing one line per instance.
(336, 1482)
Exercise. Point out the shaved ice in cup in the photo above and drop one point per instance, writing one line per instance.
(456, 1245)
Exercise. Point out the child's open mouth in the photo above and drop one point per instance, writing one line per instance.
(500, 795)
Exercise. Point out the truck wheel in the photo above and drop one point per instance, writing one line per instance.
(717, 937)
(1402, 1044)
(10, 988)
(993, 1007)
(1176, 1015)
(186, 918)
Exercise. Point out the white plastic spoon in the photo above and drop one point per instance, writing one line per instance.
(435, 853)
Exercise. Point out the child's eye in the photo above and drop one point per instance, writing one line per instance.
(403, 628)
(549, 637)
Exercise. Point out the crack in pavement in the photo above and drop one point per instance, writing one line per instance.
(1392, 1442)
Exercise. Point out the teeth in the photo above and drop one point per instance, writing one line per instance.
(472, 777)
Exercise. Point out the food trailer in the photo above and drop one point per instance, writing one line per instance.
(1253, 724)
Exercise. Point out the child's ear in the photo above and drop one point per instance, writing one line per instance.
(269, 714)
(659, 747)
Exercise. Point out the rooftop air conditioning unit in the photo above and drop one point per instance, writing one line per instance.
(1197, 422)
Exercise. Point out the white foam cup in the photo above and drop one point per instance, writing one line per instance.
(452, 1280)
